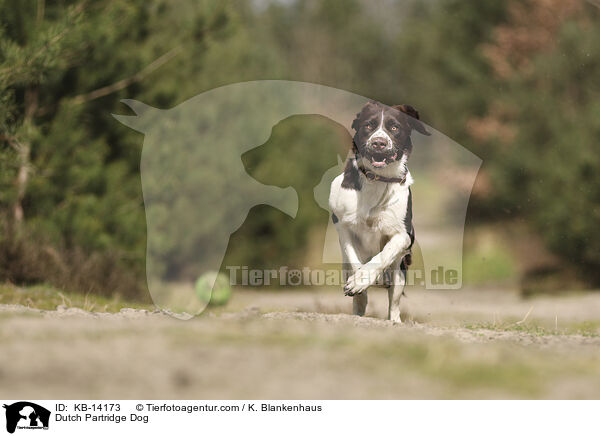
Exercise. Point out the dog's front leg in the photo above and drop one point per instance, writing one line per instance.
(351, 263)
(359, 301)
(366, 275)
(396, 290)
(350, 256)
(359, 304)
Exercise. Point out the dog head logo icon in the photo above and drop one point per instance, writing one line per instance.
(26, 415)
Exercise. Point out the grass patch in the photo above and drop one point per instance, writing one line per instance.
(590, 329)
(48, 298)
(460, 368)
(586, 328)
(531, 329)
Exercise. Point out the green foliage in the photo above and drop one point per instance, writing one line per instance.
(63, 68)
(548, 173)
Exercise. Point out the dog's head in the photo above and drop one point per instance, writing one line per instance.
(383, 132)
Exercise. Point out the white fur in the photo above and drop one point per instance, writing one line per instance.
(381, 133)
(366, 217)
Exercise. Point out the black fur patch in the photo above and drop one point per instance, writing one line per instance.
(334, 218)
(410, 230)
(351, 175)
(406, 262)
(408, 218)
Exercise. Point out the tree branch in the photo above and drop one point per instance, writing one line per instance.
(12, 141)
(124, 83)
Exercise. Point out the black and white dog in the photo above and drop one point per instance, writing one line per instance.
(372, 205)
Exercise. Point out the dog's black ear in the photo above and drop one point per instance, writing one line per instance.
(413, 119)
(408, 110)
(355, 122)
(368, 105)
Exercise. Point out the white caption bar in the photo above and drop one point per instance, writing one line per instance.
(293, 417)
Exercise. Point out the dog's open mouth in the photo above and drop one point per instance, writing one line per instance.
(379, 160)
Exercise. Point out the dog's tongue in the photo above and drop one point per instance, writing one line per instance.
(383, 162)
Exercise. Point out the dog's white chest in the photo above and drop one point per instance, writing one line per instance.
(382, 208)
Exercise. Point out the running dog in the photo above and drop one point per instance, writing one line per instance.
(371, 203)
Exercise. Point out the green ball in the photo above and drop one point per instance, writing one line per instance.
(221, 290)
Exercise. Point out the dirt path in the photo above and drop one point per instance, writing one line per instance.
(462, 344)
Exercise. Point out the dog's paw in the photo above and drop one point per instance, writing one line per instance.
(361, 280)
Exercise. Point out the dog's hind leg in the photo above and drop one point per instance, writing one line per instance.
(396, 290)
(359, 303)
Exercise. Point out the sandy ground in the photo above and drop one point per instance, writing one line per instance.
(272, 345)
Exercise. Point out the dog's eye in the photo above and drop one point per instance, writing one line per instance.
(368, 127)
(393, 128)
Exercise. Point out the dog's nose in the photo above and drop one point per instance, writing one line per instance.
(379, 143)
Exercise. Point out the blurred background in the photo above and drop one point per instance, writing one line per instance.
(515, 82)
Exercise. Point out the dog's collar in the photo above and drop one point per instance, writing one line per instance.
(370, 175)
